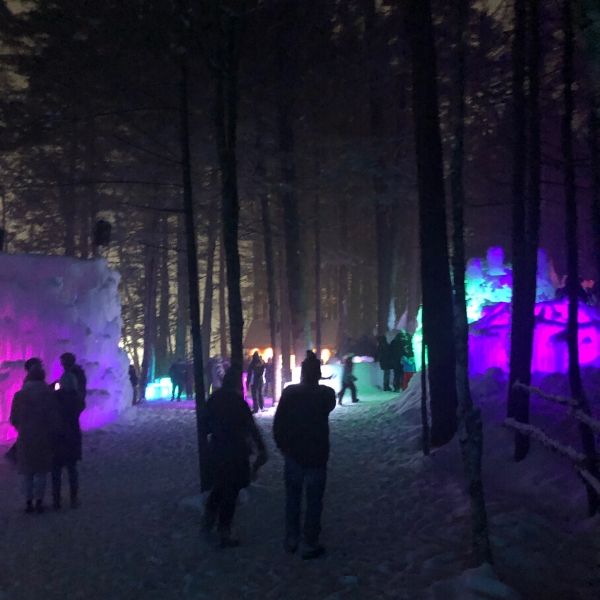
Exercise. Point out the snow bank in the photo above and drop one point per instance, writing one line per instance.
(55, 304)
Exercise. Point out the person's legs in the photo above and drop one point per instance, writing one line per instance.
(352, 387)
(73, 484)
(179, 390)
(294, 478)
(386, 380)
(342, 392)
(316, 478)
(406, 380)
(397, 379)
(261, 400)
(229, 494)
(254, 392)
(211, 509)
(56, 485)
(39, 489)
(173, 386)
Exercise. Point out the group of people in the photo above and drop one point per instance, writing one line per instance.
(301, 432)
(46, 417)
(396, 357)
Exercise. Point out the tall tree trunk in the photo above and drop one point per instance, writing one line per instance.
(342, 287)
(194, 295)
(526, 211)
(287, 65)
(286, 372)
(317, 213)
(576, 384)
(469, 418)
(222, 301)
(595, 168)
(181, 327)
(162, 341)
(226, 106)
(150, 289)
(261, 174)
(438, 326)
(207, 310)
(385, 226)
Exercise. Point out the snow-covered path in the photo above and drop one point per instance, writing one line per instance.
(394, 522)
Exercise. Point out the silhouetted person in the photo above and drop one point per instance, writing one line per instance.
(70, 401)
(384, 356)
(348, 380)
(70, 366)
(233, 433)
(177, 374)
(408, 360)
(397, 348)
(134, 380)
(270, 378)
(11, 453)
(34, 415)
(301, 432)
(255, 379)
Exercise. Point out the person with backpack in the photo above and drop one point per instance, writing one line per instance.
(70, 400)
(348, 379)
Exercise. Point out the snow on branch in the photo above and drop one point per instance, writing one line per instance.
(571, 403)
(537, 434)
(589, 479)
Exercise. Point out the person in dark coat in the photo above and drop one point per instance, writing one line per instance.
(301, 432)
(178, 376)
(384, 356)
(348, 380)
(70, 400)
(233, 434)
(35, 416)
(255, 379)
(134, 380)
(397, 347)
(11, 453)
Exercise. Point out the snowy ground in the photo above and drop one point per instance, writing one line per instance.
(395, 524)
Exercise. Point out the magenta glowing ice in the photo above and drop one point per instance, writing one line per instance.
(489, 338)
(55, 304)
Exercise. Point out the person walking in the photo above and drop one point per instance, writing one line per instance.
(35, 417)
(384, 356)
(255, 379)
(348, 380)
(70, 401)
(233, 433)
(301, 432)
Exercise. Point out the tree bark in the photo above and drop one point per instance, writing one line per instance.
(222, 301)
(194, 295)
(226, 106)
(469, 418)
(181, 328)
(162, 341)
(526, 211)
(207, 309)
(575, 382)
(595, 168)
(438, 326)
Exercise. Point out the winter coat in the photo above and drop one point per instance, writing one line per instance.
(35, 416)
(301, 425)
(397, 350)
(384, 354)
(67, 442)
(233, 432)
(256, 371)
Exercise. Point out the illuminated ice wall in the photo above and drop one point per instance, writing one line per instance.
(55, 304)
(489, 338)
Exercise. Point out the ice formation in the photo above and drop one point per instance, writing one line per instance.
(55, 304)
(489, 338)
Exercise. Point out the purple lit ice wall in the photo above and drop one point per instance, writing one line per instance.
(489, 338)
(55, 304)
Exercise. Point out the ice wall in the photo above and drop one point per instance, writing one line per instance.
(489, 338)
(55, 304)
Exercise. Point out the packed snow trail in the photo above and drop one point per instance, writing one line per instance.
(394, 522)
